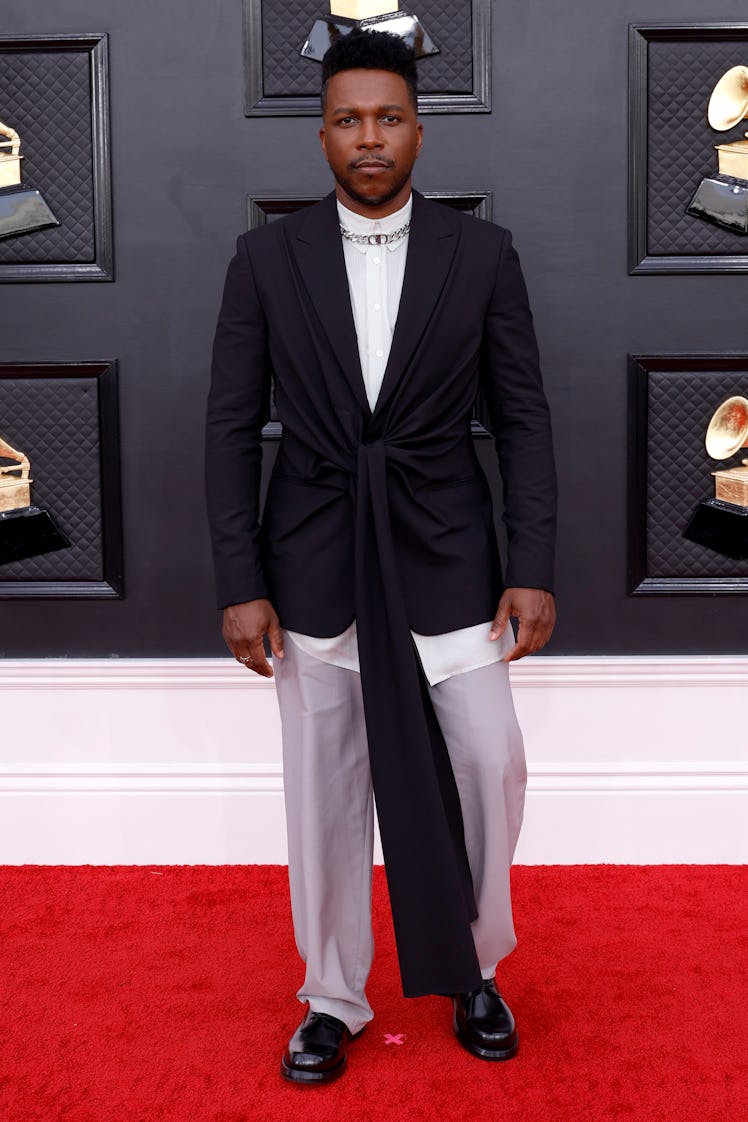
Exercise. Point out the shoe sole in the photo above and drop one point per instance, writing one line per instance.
(484, 1053)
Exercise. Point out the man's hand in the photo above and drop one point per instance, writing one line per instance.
(536, 611)
(243, 628)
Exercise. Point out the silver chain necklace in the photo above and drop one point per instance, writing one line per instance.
(375, 239)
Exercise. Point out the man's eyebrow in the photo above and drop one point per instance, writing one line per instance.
(354, 109)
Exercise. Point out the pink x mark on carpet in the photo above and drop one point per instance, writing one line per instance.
(397, 1038)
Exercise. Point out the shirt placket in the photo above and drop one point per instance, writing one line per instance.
(376, 299)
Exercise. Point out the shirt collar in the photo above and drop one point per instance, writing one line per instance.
(360, 224)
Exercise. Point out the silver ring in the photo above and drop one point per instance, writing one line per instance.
(246, 659)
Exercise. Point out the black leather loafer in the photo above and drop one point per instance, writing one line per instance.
(316, 1051)
(484, 1024)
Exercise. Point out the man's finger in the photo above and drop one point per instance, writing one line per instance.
(259, 662)
(244, 656)
(525, 638)
(541, 637)
(498, 627)
(253, 658)
(275, 634)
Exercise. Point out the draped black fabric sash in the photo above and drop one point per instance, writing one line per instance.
(420, 821)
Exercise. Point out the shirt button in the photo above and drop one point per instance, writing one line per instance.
(377, 307)
(375, 260)
(380, 354)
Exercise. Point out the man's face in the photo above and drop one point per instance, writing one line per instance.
(371, 138)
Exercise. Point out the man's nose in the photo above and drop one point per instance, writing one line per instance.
(371, 135)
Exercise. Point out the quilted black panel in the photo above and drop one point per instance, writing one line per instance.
(55, 421)
(46, 97)
(286, 24)
(682, 76)
(680, 406)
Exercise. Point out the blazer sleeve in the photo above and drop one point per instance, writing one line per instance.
(238, 407)
(520, 422)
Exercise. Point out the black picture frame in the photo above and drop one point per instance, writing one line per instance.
(645, 433)
(263, 208)
(259, 104)
(643, 258)
(107, 501)
(95, 165)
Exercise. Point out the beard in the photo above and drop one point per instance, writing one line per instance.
(386, 195)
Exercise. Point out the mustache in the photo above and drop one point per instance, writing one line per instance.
(376, 160)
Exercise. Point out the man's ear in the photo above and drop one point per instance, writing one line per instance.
(322, 141)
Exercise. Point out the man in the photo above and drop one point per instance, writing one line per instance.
(375, 574)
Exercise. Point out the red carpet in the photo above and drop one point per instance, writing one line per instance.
(151, 994)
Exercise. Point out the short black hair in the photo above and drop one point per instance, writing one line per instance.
(371, 50)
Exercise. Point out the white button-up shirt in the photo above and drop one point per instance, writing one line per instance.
(375, 281)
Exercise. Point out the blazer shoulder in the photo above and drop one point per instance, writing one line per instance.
(482, 231)
(475, 233)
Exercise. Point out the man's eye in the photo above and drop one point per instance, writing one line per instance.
(391, 119)
(345, 120)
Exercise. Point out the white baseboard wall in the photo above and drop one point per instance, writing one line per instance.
(177, 761)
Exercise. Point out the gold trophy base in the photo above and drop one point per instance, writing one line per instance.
(15, 494)
(733, 158)
(362, 9)
(731, 485)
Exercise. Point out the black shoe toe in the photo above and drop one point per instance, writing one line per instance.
(316, 1052)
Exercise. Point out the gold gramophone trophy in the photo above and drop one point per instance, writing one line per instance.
(721, 523)
(25, 530)
(371, 15)
(22, 208)
(722, 198)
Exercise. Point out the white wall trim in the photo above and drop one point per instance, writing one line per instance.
(261, 779)
(127, 674)
(630, 759)
(649, 671)
(217, 673)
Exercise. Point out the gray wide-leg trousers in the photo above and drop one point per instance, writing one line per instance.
(330, 817)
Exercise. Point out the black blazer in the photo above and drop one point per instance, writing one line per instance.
(463, 321)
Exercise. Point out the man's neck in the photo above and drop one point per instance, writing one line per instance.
(363, 223)
(374, 212)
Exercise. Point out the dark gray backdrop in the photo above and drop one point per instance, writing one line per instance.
(553, 151)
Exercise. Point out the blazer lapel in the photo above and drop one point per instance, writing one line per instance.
(318, 249)
(431, 248)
